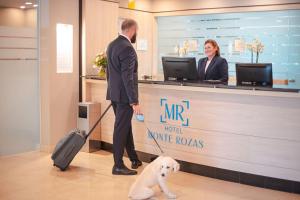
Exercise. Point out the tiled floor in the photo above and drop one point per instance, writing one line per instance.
(31, 176)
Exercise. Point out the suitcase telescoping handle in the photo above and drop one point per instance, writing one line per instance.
(108, 107)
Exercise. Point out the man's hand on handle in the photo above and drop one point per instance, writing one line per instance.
(136, 109)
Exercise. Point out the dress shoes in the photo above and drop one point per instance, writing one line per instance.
(123, 171)
(135, 164)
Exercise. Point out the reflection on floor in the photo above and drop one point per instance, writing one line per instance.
(31, 176)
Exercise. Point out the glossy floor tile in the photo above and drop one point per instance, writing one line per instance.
(31, 176)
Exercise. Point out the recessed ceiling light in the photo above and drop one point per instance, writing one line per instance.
(28, 3)
(22, 7)
(35, 5)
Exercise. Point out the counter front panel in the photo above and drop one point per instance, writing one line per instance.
(250, 131)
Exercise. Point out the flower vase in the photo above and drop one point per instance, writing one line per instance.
(102, 73)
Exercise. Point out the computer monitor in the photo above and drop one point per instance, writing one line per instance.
(179, 68)
(254, 74)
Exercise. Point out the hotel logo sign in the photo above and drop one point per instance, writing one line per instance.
(174, 112)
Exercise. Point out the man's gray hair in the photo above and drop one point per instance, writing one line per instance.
(127, 24)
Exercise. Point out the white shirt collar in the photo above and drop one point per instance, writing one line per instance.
(125, 37)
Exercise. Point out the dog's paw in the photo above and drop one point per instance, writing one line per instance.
(171, 195)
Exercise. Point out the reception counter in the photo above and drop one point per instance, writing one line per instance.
(229, 132)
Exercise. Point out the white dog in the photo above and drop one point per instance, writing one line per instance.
(155, 173)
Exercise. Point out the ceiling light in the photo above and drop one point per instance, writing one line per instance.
(35, 5)
(22, 7)
(28, 3)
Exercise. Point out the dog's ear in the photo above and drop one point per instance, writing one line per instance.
(158, 166)
(176, 167)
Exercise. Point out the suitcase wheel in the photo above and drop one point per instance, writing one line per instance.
(62, 169)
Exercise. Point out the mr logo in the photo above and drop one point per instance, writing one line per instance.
(174, 112)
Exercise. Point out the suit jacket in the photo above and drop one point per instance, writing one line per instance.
(217, 69)
(122, 75)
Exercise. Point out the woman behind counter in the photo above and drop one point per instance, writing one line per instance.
(212, 67)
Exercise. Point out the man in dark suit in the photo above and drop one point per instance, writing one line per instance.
(122, 77)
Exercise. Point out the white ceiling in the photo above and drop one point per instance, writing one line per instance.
(15, 3)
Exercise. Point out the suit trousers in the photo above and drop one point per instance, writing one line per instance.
(122, 136)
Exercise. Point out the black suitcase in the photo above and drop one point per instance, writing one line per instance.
(67, 148)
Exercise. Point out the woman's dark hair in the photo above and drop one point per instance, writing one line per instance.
(214, 44)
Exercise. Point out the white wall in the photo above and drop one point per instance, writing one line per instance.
(59, 92)
(100, 27)
(15, 17)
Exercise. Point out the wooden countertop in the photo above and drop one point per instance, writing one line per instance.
(270, 92)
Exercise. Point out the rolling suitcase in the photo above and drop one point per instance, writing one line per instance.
(67, 148)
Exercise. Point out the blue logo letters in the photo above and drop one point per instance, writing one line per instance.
(174, 112)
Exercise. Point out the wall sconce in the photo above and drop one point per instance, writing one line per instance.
(64, 48)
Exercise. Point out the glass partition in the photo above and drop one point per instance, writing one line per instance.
(19, 78)
(278, 31)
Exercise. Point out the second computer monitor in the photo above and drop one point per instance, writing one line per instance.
(179, 68)
(254, 74)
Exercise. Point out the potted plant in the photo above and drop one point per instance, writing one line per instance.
(255, 47)
(100, 63)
